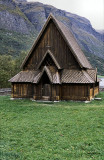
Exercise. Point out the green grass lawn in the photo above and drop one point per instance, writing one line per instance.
(99, 76)
(56, 131)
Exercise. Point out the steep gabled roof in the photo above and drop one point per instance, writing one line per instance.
(53, 58)
(70, 40)
(73, 45)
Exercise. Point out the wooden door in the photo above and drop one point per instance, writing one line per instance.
(46, 91)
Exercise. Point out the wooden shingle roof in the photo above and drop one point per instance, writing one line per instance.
(45, 69)
(92, 73)
(70, 40)
(55, 77)
(72, 43)
(24, 76)
(76, 76)
(35, 76)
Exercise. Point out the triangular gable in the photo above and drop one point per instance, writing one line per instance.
(53, 77)
(53, 58)
(45, 69)
(70, 40)
(56, 78)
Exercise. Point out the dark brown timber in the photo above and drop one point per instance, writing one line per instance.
(55, 68)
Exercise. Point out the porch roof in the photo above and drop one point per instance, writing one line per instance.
(56, 77)
(35, 76)
(76, 76)
(24, 76)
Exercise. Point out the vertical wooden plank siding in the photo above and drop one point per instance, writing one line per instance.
(96, 90)
(74, 92)
(65, 92)
(91, 93)
(22, 90)
(52, 40)
(55, 92)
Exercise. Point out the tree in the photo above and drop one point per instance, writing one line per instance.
(9, 66)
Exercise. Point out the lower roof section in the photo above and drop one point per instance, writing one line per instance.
(56, 77)
(24, 76)
(76, 76)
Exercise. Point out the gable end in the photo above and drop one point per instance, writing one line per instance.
(53, 58)
(69, 39)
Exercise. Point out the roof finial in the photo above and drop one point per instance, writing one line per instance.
(51, 15)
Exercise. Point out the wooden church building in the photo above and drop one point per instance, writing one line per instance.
(55, 68)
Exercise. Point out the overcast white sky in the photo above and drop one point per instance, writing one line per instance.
(91, 9)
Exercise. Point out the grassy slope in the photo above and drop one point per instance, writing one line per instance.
(96, 62)
(65, 130)
(13, 9)
(100, 76)
(12, 43)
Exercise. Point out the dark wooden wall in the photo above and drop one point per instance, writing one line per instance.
(65, 92)
(22, 90)
(52, 40)
(75, 92)
(57, 92)
(94, 91)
